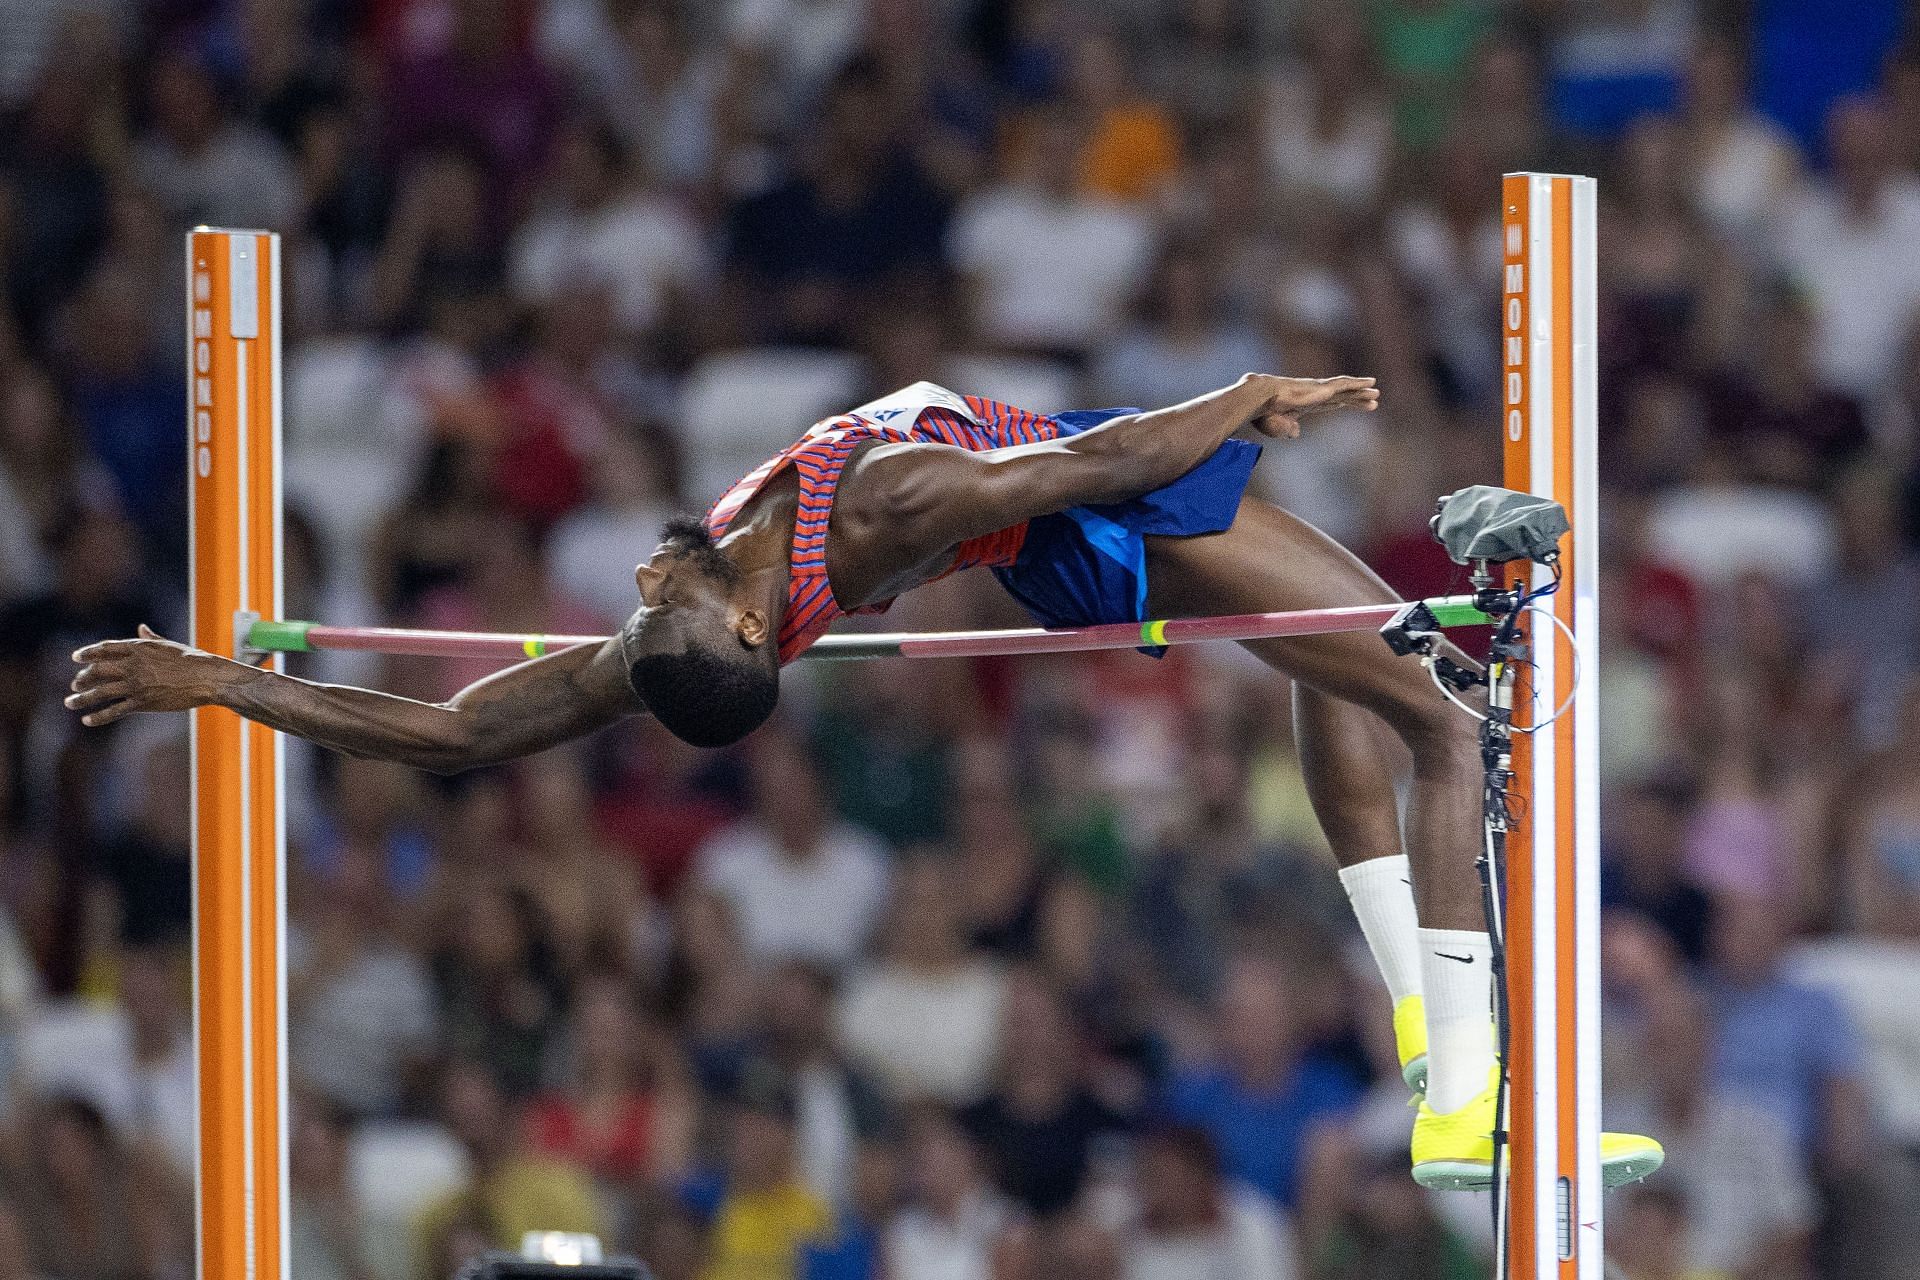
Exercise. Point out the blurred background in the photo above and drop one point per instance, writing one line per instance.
(973, 970)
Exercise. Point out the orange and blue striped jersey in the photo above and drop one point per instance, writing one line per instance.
(922, 413)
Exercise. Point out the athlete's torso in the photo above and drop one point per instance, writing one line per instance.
(922, 413)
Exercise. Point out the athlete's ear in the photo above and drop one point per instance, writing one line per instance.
(751, 626)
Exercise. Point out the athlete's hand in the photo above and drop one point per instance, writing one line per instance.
(118, 677)
(1284, 401)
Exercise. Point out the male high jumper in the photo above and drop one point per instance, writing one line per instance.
(1085, 517)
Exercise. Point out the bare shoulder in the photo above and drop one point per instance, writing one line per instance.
(890, 488)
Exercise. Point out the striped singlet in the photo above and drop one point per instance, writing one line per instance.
(922, 412)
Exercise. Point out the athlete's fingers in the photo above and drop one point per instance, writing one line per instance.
(104, 649)
(106, 715)
(94, 673)
(1284, 425)
(98, 696)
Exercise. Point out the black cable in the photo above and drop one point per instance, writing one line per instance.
(1496, 748)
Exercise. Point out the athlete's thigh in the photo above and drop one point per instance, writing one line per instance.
(1271, 560)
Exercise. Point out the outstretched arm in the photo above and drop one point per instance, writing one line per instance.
(933, 496)
(524, 709)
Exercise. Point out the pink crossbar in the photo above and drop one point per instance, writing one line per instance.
(1452, 611)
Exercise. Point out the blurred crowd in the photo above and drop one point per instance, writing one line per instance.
(970, 971)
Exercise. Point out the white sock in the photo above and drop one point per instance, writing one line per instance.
(1381, 890)
(1456, 967)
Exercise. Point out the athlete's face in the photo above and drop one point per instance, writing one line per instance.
(687, 595)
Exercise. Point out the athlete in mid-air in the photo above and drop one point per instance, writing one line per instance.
(1090, 517)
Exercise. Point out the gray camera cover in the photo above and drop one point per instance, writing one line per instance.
(1482, 522)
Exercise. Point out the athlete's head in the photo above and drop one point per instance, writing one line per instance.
(701, 651)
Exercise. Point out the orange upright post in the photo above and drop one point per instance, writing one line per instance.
(1550, 424)
(239, 896)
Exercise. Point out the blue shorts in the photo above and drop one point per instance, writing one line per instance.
(1088, 565)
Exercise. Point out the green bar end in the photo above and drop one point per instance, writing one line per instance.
(1457, 612)
(279, 637)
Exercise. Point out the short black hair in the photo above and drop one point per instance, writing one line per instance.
(690, 537)
(706, 698)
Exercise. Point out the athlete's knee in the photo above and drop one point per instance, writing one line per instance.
(1437, 732)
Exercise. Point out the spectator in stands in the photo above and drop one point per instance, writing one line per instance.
(1211, 876)
(500, 992)
(38, 483)
(761, 1214)
(362, 1009)
(1325, 132)
(1041, 1127)
(509, 1191)
(1048, 267)
(858, 217)
(89, 1206)
(1261, 1093)
(126, 392)
(153, 992)
(206, 167)
(622, 1105)
(1746, 169)
(1132, 149)
(1743, 1174)
(1649, 1232)
(55, 154)
(1180, 346)
(1424, 48)
(665, 94)
(1784, 424)
(838, 1110)
(1841, 241)
(925, 1016)
(328, 1233)
(952, 1216)
(1642, 869)
(483, 87)
(802, 883)
(1191, 1221)
(883, 738)
(440, 249)
(1876, 589)
(130, 1063)
(1362, 1218)
(599, 227)
(147, 854)
(1789, 1046)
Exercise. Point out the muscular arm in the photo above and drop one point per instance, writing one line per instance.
(524, 709)
(933, 496)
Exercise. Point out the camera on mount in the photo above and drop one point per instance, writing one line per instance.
(1481, 527)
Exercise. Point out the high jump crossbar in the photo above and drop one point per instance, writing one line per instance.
(1552, 1226)
(303, 637)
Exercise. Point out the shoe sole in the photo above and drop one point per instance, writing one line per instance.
(1473, 1175)
(1415, 1074)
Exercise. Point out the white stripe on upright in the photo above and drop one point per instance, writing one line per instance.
(1590, 1232)
(285, 1270)
(1540, 403)
(241, 249)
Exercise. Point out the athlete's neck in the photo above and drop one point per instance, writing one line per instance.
(759, 541)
